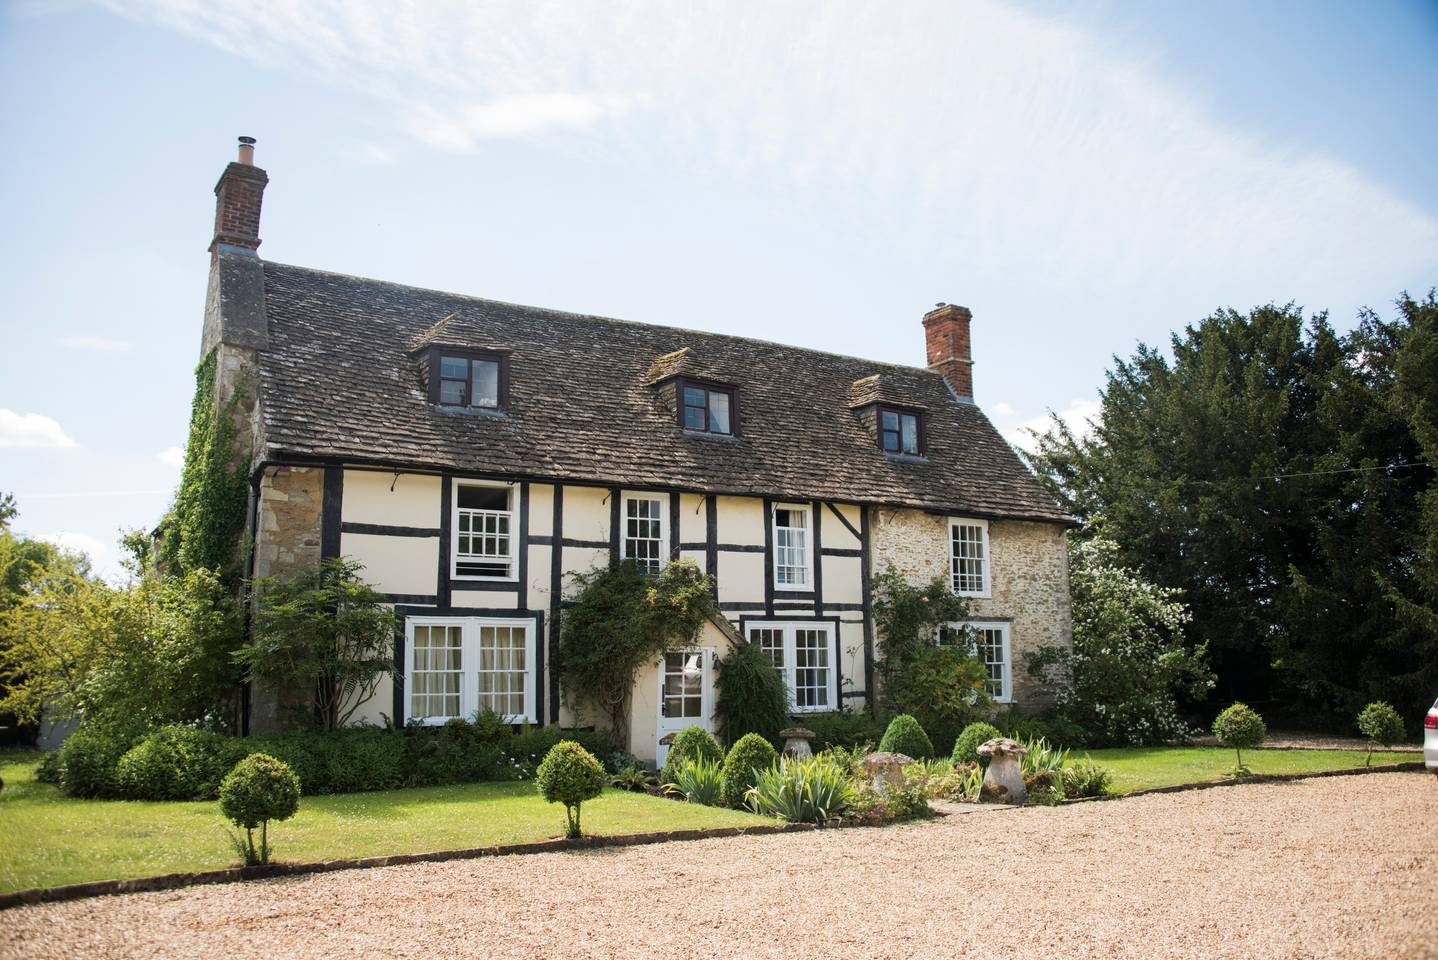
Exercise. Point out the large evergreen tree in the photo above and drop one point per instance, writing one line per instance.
(1268, 471)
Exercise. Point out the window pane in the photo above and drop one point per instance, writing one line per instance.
(693, 418)
(718, 411)
(454, 368)
(967, 558)
(486, 384)
(482, 498)
(890, 420)
(791, 553)
(451, 392)
(891, 441)
(693, 397)
(644, 533)
(911, 433)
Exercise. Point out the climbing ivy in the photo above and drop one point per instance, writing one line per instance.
(203, 527)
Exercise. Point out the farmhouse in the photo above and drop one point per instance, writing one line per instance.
(471, 453)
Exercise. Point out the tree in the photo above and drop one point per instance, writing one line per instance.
(259, 789)
(324, 629)
(621, 621)
(926, 668)
(1241, 728)
(752, 695)
(1273, 472)
(569, 774)
(1128, 669)
(1382, 725)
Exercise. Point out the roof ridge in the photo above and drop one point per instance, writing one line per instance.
(603, 319)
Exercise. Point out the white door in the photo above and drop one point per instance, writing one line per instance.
(686, 694)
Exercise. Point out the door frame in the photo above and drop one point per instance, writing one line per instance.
(662, 726)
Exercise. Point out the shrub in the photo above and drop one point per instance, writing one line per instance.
(752, 696)
(961, 783)
(750, 754)
(966, 748)
(1043, 756)
(345, 761)
(1239, 727)
(455, 752)
(907, 737)
(633, 778)
(690, 743)
(569, 774)
(90, 755)
(1086, 779)
(50, 768)
(811, 790)
(843, 728)
(526, 749)
(1380, 723)
(177, 763)
(259, 789)
(700, 780)
(1044, 787)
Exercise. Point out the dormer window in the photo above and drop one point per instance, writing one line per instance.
(474, 379)
(706, 407)
(901, 431)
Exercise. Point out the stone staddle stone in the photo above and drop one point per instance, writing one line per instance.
(886, 770)
(796, 742)
(1004, 778)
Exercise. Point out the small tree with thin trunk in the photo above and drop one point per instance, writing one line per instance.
(259, 789)
(1382, 725)
(324, 629)
(1240, 727)
(569, 774)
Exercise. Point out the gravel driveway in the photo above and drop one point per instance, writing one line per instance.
(1335, 867)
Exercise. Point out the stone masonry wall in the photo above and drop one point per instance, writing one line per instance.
(1029, 578)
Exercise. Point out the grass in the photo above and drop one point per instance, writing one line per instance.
(47, 839)
(1137, 768)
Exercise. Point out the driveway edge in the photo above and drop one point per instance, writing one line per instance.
(1403, 767)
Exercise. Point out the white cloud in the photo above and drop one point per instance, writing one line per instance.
(999, 150)
(104, 557)
(1078, 415)
(1003, 409)
(96, 344)
(31, 430)
(171, 456)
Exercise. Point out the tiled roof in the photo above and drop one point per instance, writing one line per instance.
(339, 381)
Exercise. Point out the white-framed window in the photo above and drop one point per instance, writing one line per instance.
(457, 666)
(646, 530)
(485, 534)
(988, 640)
(793, 547)
(803, 651)
(969, 557)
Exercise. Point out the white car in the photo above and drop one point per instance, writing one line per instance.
(1430, 738)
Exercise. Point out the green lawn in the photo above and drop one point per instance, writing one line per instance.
(1136, 768)
(47, 839)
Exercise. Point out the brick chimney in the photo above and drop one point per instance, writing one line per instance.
(237, 204)
(946, 334)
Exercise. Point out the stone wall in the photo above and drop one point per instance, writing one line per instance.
(1029, 578)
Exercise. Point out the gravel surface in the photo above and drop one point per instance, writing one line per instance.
(1337, 867)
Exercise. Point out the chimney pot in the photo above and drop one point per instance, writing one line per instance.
(247, 151)
(946, 338)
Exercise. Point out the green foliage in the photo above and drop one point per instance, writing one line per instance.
(569, 774)
(1382, 725)
(89, 758)
(1128, 670)
(752, 695)
(749, 754)
(691, 743)
(324, 629)
(1239, 727)
(1044, 787)
(632, 777)
(1086, 779)
(909, 800)
(1274, 472)
(844, 728)
(49, 769)
(942, 685)
(202, 530)
(810, 790)
(177, 763)
(966, 748)
(154, 651)
(1043, 756)
(621, 621)
(960, 783)
(259, 789)
(699, 780)
(906, 736)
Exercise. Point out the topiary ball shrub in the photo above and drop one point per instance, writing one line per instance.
(1241, 728)
(752, 695)
(691, 743)
(746, 758)
(966, 748)
(907, 737)
(1382, 725)
(258, 790)
(569, 774)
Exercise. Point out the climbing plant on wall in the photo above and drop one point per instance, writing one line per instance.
(203, 527)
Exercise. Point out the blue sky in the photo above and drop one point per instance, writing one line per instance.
(1083, 176)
